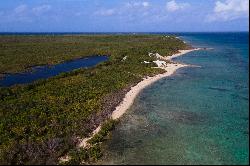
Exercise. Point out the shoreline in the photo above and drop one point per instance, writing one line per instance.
(130, 96)
(180, 53)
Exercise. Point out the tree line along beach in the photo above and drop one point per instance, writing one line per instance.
(46, 120)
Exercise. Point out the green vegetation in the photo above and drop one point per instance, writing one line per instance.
(81, 155)
(106, 127)
(40, 122)
(18, 53)
(93, 153)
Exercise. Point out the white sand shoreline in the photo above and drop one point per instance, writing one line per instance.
(181, 52)
(134, 91)
(131, 95)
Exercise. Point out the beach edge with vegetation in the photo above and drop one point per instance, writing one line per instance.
(46, 120)
(102, 131)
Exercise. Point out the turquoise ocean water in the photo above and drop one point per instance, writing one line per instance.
(199, 115)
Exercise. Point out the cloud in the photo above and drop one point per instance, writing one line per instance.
(137, 4)
(134, 13)
(41, 9)
(145, 4)
(229, 10)
(20, 13)
(21, 9)
(130, 7)
(24, 13)
(105, 12)
(172, 6)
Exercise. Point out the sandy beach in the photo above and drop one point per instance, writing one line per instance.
(181, 52)
(135, 90)
(131, 95)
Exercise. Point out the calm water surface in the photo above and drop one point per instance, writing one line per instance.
(44, 72)
(197, 116)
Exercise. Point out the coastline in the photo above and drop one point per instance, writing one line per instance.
(135, 90)
(129, 98)
(159, 113)
(181, 52)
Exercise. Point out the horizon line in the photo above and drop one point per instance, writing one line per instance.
(125, 32)
(114, 31)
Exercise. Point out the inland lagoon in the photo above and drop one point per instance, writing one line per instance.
(199, 115)
(43, 72)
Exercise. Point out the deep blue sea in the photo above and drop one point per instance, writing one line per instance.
(199, 115)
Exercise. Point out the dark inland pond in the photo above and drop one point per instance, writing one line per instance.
(43, 72)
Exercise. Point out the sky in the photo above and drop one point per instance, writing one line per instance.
(123, 15)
